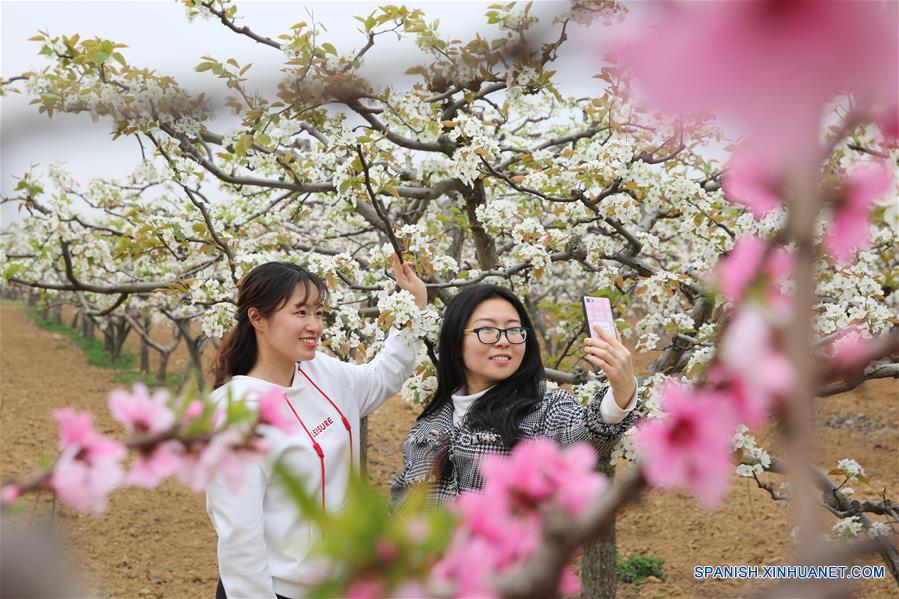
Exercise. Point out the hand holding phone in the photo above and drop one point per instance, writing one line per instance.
(608, 353)
(598, 311)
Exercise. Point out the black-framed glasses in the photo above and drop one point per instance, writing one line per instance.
(490, 335)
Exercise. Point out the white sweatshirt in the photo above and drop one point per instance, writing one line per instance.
(263, 541)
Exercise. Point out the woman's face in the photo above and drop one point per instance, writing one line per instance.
(293, 331)
(489, 364)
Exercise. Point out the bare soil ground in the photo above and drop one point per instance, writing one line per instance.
(159, 543)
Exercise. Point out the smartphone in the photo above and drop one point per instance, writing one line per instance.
(598, 311)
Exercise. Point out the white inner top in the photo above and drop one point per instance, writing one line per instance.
(461, 403)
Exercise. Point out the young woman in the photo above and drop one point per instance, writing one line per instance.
(263, 541)
(490, 394)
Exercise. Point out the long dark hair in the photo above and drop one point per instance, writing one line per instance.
(266, 288)
(502, 407)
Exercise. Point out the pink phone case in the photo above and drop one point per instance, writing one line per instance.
(598, 311)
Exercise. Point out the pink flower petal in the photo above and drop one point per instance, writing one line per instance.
(754, 181)
(273, 411)
(848, 232)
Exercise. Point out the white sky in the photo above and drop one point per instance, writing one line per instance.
(159, 36)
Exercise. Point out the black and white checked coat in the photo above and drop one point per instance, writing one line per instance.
(559, 417)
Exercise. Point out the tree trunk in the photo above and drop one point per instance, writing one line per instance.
(198, 377)
(88, 327)
(599, 573)
(162, 369)
(196, 362)
(144, 357)
(363, 447)
(75, 319)
(45, 312)
(109, 337)
(56, 314)
(120, 330)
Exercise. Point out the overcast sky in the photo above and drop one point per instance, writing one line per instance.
(159, 36)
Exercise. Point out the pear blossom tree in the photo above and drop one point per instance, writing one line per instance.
(762, 284)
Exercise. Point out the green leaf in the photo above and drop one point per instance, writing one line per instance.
(100, 56)
(329, 48)
(309, 507)
(243, 144)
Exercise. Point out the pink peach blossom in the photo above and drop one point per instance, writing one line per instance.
(225, 455)
(151, 469)
(90, 466)
(273, 411)
(501, 525)
(366, 589)
(569, 583)
(770, 64)
(750, 260)
(141, 413)
(410, 590)
(10, 493)
(740, 266)
(848, 232)
(754, 180)
(750, 404)
(193, 410)
(851, 351)
(469, 563)
(748, 351)
(690, 447)
(85, 484)
(887, 121)
(75, 428)
(417, 529)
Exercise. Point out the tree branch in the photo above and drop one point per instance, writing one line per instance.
(562, 535)
(366, 113)
(241, 30)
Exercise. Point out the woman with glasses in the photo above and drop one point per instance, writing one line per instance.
(491, 394)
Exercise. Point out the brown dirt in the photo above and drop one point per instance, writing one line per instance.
(160, 544)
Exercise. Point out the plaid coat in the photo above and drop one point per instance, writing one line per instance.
(559, 417)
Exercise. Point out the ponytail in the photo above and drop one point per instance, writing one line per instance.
(236, 354)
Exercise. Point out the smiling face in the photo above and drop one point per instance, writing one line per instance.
(293, 331)
(489, 364)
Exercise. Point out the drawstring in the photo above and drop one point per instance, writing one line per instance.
(315, 445)
(346, 422)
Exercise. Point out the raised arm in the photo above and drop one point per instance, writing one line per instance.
(385, 374)
(567, 421)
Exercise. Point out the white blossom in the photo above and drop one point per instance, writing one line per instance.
(850, 468)
(848, 528)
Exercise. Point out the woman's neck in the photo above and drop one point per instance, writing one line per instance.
(279, 372)
(473, 385)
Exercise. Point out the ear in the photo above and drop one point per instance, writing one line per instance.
(256, 320)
